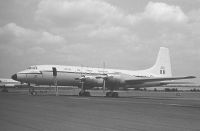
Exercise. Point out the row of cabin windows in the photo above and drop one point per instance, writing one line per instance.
(87, 70)
(32, 67)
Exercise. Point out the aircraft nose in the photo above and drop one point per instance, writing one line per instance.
(14, 77)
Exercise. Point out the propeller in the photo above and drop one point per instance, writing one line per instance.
(82, 80)
(82, 84)
(104, 77)
(104, 85)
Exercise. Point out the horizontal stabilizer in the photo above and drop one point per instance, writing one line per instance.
(176, 82)
(143, 80)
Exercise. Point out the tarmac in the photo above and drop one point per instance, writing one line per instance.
(20, 112)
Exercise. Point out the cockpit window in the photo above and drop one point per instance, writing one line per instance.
(32, 67)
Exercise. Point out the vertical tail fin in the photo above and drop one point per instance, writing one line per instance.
(162, 67)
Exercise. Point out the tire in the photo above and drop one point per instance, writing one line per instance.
(115, 94)
(87, 93)
(109, 94)
(80, 93)
(34, 93)
(84, 93)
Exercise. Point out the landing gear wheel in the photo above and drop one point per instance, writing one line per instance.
(115, 94)
(108, 94)
(85, 93)
(34, 93)
(112, 94)
(80, 94)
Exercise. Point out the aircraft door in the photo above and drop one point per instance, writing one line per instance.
(54, 75)
(54, 71)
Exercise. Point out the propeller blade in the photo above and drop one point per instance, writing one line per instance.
(104, 85)
(82, 84)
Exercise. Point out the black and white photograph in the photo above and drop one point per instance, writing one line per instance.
(99, 65)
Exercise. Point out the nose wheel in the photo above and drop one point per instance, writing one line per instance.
(32, 90)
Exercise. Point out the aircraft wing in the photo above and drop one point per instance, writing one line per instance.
(155, 79)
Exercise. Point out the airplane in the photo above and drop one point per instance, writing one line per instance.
(112, 79)
(5, 83)
(8, 82)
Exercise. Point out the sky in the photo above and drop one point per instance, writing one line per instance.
(124, 34)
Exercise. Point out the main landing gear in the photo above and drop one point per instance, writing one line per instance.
(84, 93)
(112, 94)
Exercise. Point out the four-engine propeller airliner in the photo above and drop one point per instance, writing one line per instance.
(87, 78)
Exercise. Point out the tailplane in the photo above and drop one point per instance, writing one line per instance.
(162, 67)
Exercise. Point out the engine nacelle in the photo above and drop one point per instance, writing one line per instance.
(114, 82)
(92, 82)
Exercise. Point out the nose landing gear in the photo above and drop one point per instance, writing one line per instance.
(31, 90)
